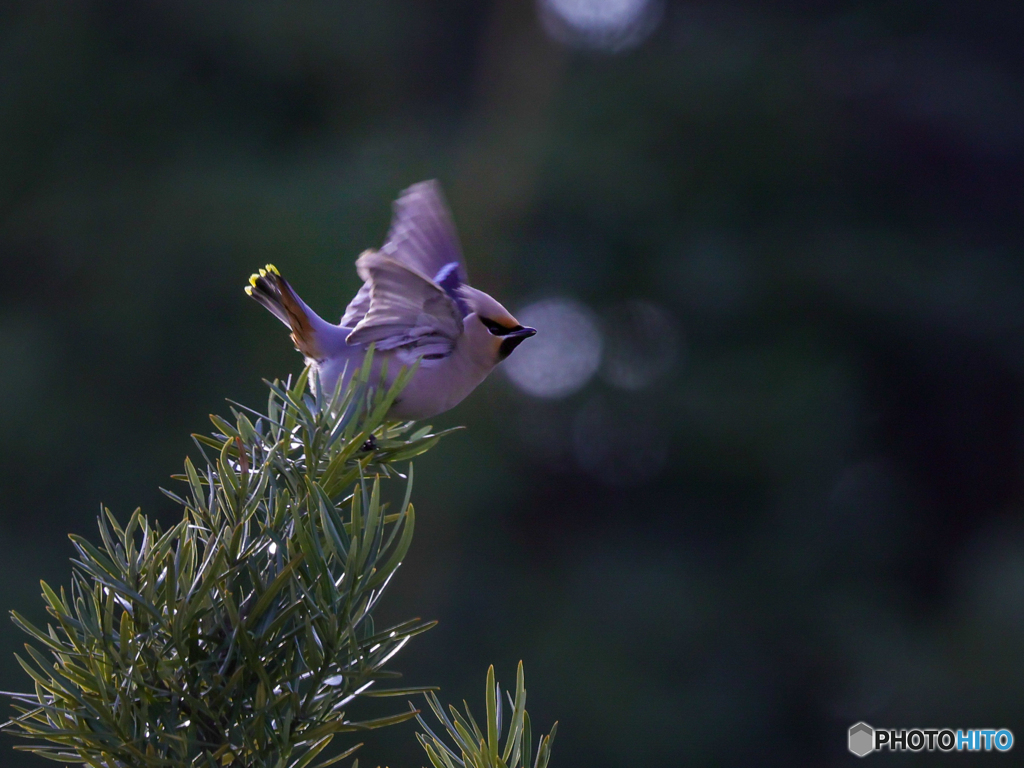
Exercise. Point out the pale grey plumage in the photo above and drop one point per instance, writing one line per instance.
(406, 309)
(421, 237)
(414, 306)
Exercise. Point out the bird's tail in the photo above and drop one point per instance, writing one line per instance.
(273, 292)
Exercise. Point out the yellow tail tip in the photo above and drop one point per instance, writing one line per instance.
(252, 279)
(271, 268)
(263, 273)
(248, 290)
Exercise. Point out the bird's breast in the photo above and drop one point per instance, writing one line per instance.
(436, 386)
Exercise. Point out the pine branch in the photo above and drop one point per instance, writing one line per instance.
(476, 748)
(243, 634)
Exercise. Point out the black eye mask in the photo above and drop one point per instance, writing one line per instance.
(497, 329)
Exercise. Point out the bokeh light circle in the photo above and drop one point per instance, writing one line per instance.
(642, 344)
(563, 356)
(611, 25)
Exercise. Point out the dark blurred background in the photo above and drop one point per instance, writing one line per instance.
(760, 474)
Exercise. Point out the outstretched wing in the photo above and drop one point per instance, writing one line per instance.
(423, 238)
(406, 309)
(422, 234)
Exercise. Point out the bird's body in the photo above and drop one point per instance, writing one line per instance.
(415, 307)
(438, 385)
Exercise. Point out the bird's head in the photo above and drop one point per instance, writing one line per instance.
(491, 327)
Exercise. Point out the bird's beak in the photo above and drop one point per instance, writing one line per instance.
(513, 339)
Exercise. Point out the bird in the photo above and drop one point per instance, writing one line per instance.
(415, 307)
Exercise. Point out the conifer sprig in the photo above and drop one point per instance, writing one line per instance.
(243, 634)
(476, 748)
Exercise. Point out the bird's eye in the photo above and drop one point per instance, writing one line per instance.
(496, 328)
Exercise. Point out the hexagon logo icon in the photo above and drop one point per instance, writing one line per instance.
(862, 739)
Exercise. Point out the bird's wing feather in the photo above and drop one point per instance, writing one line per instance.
(422, 236)
(358, 307)
(406, 309)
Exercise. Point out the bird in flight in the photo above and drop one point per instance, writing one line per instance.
(415, 306)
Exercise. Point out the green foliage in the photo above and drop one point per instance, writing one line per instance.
(242, 634)
(480, 750)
